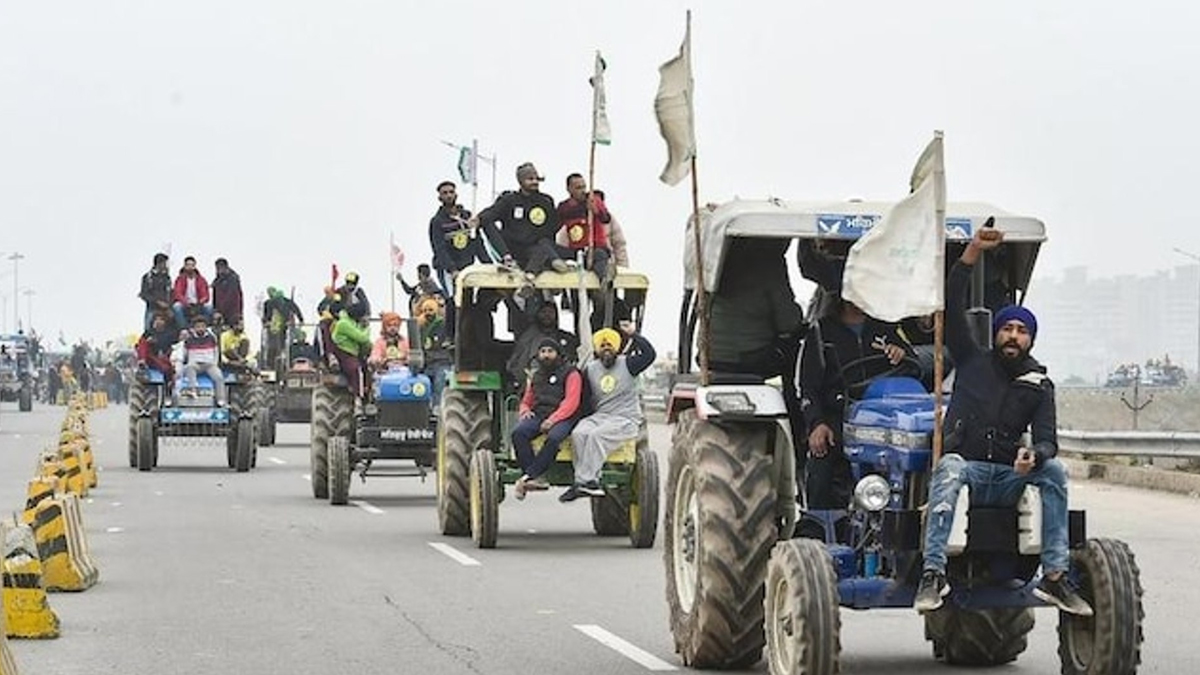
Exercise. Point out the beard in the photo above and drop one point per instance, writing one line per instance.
(1011, 352)
(608, 359)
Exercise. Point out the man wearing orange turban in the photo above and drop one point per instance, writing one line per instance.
(390, 348)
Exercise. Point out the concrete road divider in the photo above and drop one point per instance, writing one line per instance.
(40, 489)
(77, 482)
(27, 612)
(62, 545)
(51, 469)
(8, 665)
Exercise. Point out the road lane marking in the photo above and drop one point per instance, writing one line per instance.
(624, 648)
(367, 506)
(276, 460)
(307, 477)
(158, 493)
(454, 554)
(116, 503)
(115, 530)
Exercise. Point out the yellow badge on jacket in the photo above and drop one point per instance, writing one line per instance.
(537, 216)
(460, 240)
(608, 383)
(576, 233)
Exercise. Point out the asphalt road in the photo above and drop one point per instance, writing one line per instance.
(204, 571)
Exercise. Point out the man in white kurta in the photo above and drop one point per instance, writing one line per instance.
(616, 408)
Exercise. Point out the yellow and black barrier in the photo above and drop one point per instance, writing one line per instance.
(77, 481)
(8, 664)
(27, 612)
(62, 545)
(50, 468)
(40, 489)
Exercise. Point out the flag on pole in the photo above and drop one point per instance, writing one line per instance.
(601, 132)
(896, 269)
(468, 165)
(397, 257)
(673, 107)
(333, 274)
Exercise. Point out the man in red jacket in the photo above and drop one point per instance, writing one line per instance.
(227, 293)
(190, 295)
(549, 406)
(573, 216)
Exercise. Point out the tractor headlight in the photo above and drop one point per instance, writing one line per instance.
(731, 402)
(872, 493)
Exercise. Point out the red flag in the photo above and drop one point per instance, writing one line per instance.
(397, 257)
(333, 273)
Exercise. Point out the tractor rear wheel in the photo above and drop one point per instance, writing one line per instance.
(720, 527)
(465, 425)
(332, 417)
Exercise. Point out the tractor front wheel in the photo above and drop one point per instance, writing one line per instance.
(1109, 641)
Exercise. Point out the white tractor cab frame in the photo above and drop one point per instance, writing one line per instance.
(1002, 277)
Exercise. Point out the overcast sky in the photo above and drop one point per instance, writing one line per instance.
(289, 134)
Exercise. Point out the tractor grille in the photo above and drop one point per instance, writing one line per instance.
(409, 415)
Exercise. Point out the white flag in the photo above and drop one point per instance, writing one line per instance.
(601, 132)
(896, 269)
(673, 107)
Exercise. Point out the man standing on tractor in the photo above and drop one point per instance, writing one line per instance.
(279, 313)
(573, 214)
(845, 336)
(227, 293)
(617, 409)
(999, 394)
(425, 286)
(391, 348)
(200, 349)
(156, 290)
(528, 221)
(454, 247)
(190, 295)
(549, 406)
(352, 342)
(353, 295)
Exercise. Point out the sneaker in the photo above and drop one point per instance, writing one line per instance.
(559, 265)
(592, 489)
(537, 485)
(520, 487)
(931, 592)
(571, 494)
(1061, 593)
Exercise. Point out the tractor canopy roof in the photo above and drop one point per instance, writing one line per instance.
(840, 221)
(503, 278)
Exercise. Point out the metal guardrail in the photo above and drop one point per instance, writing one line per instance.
(1182, 444)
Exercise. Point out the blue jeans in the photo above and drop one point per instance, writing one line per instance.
(997, 485)
(182, 321)
(522, 439)
(437, 378)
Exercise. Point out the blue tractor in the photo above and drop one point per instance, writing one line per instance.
(396, 423)
(191, 412)
(738, 577)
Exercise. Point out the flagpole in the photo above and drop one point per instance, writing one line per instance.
(701, 292)
(392, 264)
(474, 174)
(939, 318)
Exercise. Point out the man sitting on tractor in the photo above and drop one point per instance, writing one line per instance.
(279, 312)
(190, 294)
(351, 342)
(235, 346)
(545, 326)
(155, 345)
(435, 343)
(617, 409)
(200, 348)
(391, 348)
(998, 396)
(551, 400)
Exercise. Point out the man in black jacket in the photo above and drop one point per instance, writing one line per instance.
(528, 222)
(827, 387)
(998, 395)
(156, 290)
(453, 243)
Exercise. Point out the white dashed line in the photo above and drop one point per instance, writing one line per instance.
(454, 554)
(158, 493)
(307, 477)
(114, 530)
(276, 460)
(368, 507)
(624, 648)
(116, 503)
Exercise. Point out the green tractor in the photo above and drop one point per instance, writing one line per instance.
(284, 391)
(475, 457)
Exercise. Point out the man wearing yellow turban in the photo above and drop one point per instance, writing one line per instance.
(617, 409)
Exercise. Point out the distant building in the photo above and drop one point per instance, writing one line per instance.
(1087, 326)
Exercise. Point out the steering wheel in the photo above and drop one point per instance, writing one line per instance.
(908, 366)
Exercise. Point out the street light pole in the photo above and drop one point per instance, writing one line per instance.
(16, 258)
(1193, 256)
(29, 293)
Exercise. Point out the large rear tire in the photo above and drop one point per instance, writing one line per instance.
(984, 637)
(146, 442)
(465, 425)
(266, 427)
(340, 466)
(643, 503)
(802, 620)
(1110, 641)
(485, 498)
(332, 417)
(720, 527)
